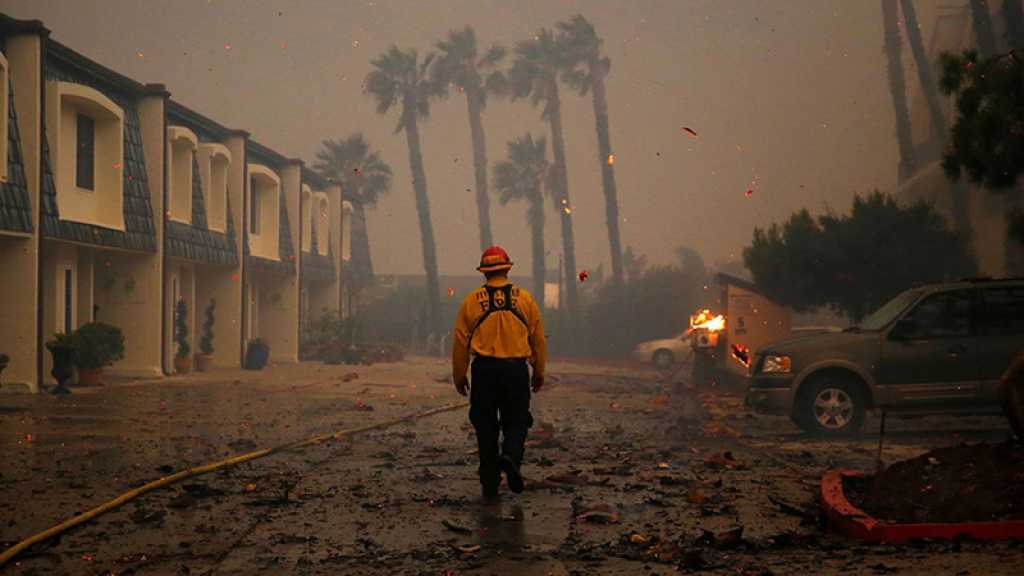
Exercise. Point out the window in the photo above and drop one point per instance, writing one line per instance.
(1002, 310)
(214, 161)
(86, 132)
(85, 153)
(69, 294)
(942, 315)
(3, 117)
(323, 227)
(254, 208)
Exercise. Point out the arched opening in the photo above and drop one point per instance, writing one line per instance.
(264, 211)
(323, 225)
(4, 112)
(307, 227)
(86, 131)
(181, 147)
(214, 163)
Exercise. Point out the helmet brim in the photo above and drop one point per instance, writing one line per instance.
(495, 267)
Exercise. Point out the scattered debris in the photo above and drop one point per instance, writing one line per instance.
(690, 131)
(455, 527)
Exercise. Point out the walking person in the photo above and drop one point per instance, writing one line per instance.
(500, 326)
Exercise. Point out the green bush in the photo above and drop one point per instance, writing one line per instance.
(206, 341)
(96, 345)
(181, 329)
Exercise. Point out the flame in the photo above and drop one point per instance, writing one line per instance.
(611, 159)
(704, 321)
(742, 354)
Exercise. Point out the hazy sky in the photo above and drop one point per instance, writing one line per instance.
(788, 97)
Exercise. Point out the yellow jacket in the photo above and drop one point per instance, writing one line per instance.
(501, 335)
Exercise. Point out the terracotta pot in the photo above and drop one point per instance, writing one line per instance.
(88, 377)
(203, 362)
(182, 365)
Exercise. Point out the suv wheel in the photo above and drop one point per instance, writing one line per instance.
(831, 406)
(663, 359)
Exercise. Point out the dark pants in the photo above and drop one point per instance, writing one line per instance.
(499, 399)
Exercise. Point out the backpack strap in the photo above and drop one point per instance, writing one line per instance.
(497, 299)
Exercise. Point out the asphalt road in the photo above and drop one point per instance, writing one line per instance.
(621, 480)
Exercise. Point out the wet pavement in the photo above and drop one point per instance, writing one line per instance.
(619, 481)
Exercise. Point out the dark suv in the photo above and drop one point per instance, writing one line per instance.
(939, 348)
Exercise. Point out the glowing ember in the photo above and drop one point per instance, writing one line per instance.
(611, 159)
(690, 131)
(451, 291)
(704, 321)
(584, 275)
(749, 193)
(567, 210)
(742, 354)
(227, 46)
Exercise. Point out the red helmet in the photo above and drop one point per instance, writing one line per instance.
(494, 259)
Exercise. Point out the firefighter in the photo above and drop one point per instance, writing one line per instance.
(500, 325)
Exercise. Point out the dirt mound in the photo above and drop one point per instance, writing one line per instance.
(965, 483)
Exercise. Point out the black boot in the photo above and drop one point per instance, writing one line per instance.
(512, 474)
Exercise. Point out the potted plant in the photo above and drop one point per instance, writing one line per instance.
(183, 357)
(257, 352)
(62, 349)
(96, 345)
(205, 357)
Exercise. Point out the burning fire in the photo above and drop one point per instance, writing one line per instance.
(704, 321)
(742, 354)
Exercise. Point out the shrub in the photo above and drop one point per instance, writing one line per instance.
(181, 329)
(257, 352)
(96, 345)
(206, 342)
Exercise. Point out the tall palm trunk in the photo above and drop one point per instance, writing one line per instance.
(419, 185)
(961, 208)
(483, 201)
(554, 113)
(897, 87)
(604, 153)
(536, 216)
(981, 21)
(1013, 13)
(362, 265)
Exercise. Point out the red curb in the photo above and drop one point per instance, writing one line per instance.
(852, 521)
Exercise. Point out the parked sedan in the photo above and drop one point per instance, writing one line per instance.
(666, 352)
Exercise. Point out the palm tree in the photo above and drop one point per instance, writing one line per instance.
(534, 74)
(399, 78)
(587, 73)
(364, 178)
(897, 87)
(961, 210)
(460, 65)
(526, 176)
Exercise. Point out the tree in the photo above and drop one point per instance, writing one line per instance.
(987, 140)
(587, 70)
(364, 177)
(206, 340)
(897, 87)
(534, 75)
(855, 263)
(460, 65)
(525, 176)
(400, 79)
(961, 208)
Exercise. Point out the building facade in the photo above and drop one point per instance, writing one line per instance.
(117, 203)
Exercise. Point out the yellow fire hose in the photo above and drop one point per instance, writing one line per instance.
(13, 551)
